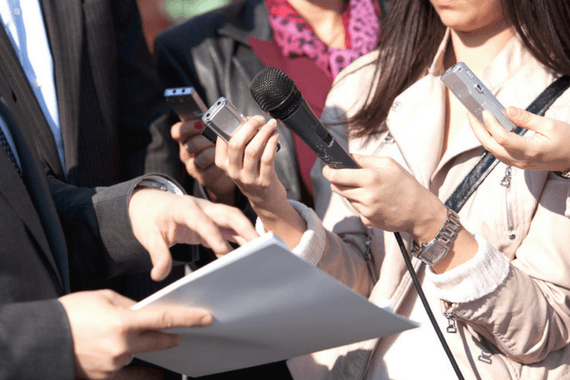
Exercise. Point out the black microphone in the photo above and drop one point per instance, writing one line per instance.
(278, 96)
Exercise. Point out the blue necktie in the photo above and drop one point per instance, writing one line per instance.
(9, 152)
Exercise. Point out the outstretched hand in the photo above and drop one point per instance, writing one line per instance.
(161, 219)
(547, 149)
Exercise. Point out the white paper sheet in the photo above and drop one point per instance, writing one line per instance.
(268, 305)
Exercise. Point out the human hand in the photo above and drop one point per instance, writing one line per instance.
(106, 332)
(547, 149)
(197, 154)
(248, 161)
(160, 219)
(388, 197)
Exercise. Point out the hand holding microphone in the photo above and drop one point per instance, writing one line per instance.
(384, 193)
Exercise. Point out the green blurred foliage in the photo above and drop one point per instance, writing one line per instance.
(183, 9)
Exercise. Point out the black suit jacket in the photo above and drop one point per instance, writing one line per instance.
(114, 121)
(113, 118)
(35, 337)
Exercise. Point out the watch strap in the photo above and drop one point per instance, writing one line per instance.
(436, 249)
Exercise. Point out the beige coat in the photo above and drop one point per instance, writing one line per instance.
(518, 331)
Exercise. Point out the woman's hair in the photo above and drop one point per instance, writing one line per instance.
(413, 32)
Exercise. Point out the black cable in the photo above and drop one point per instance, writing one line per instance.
(427, 307)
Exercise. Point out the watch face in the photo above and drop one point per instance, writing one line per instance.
(434, 252)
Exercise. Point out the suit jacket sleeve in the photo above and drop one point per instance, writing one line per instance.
(32, 350)
(99, 236)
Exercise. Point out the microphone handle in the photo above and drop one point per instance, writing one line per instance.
(308, 127)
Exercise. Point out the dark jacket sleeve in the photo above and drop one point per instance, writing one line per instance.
(35, 341)
(99, 236)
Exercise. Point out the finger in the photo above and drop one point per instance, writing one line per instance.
(124, 360)
(525, 119)
(205, 158)
(345, 177)
(239, 141)
(198, 222)
(256, 146)
(509, 140)
(159, 256)
(268, 157)
(370, 161)
(147, 341)
(352, 194)
(197, 144)
(486, 139)
(232, 222)
(184, 130)
(168, 317)
(221, 159)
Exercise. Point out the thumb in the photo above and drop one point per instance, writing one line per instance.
(524, 119)
(159, 256)
(365, 161)
(168, 317)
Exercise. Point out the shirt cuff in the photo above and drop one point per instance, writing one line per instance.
(313, 241)
(472, 280)
(157, 182)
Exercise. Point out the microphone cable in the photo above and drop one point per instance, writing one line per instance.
(427, 307)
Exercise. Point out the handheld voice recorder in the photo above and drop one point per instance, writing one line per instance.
(224, 119)
(188, 105)
(470, 91)
(186, 102)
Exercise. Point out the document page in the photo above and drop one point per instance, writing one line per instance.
(268, 305)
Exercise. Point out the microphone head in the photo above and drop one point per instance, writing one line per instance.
(275, 92)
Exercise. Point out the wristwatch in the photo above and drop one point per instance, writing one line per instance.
(565, 174)
(435, 250)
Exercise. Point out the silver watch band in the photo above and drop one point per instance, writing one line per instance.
(435, 250)
(160, 183)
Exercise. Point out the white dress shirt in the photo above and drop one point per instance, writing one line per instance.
(24, 24)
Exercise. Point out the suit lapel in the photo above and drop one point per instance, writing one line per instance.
(35, 127)
(14, 191)
(34, 206)
(64, 24)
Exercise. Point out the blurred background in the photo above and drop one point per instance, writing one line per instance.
(158, 15)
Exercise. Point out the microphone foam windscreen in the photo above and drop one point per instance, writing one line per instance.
(270, 88)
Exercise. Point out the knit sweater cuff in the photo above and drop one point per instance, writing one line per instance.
(476, 278)
(313, 241)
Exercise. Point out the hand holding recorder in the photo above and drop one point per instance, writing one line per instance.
(492, 124)
(196, 150)
(547, 149)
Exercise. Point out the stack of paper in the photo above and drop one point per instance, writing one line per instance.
(268, 305)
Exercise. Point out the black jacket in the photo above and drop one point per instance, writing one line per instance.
(35, 337)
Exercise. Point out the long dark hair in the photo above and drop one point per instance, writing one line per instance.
(413, 32)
